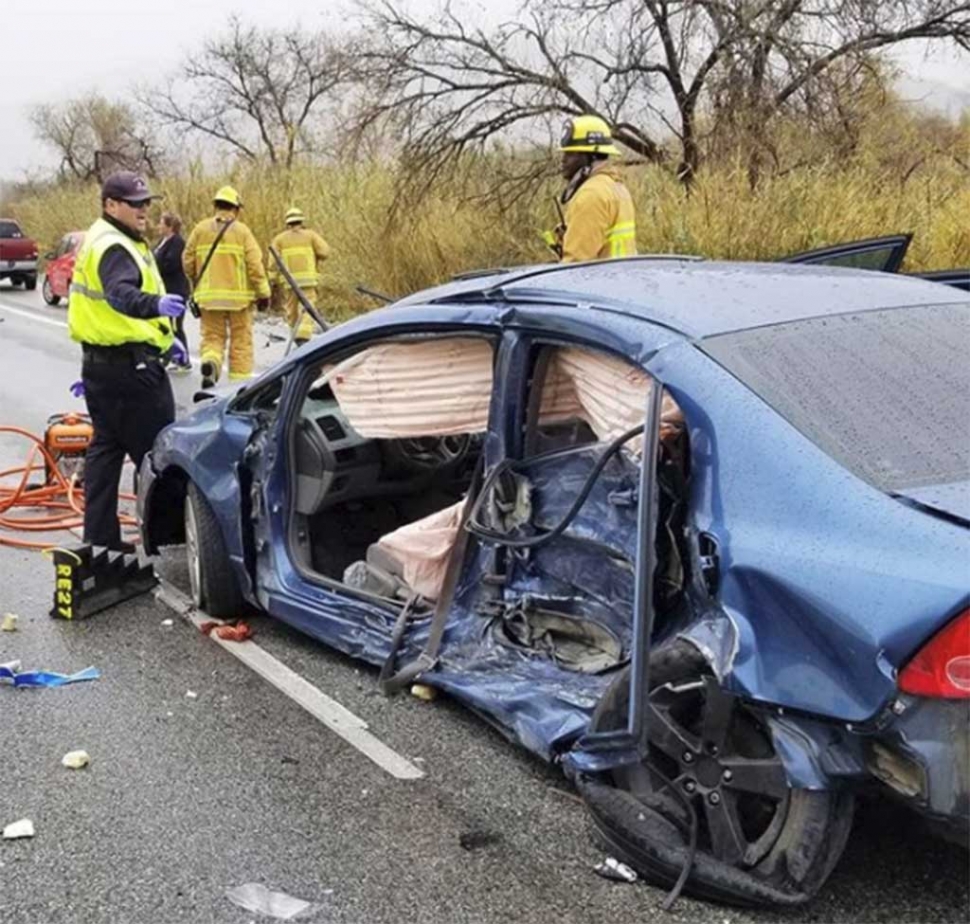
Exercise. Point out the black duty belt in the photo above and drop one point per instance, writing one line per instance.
(124, 354)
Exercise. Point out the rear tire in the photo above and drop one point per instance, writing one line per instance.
(782, 843)
(48, 293)
(214, 586)
(30, 282)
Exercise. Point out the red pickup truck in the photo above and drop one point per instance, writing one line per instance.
(18, 255)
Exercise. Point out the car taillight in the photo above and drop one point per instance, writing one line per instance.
(941, 667)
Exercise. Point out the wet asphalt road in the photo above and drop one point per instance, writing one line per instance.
(186, 797)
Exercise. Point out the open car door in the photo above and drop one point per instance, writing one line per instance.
(957, 278)
(875, 253)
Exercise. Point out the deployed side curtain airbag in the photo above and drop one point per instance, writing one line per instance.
(605, 391)
(423, 388)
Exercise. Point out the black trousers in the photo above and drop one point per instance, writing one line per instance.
(130, 400)
(180, 331)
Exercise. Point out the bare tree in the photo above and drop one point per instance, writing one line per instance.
(93, 136)
(254, 90)
(652, 68)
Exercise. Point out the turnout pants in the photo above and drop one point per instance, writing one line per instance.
(130, 400)
(308, 326)
(235, 327)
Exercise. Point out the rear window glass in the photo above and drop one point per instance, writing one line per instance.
(10, 229)
(885, 393)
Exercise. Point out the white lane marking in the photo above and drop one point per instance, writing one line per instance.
(31, 316)
(335, 716)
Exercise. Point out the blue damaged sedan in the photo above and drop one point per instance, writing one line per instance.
(697, 532)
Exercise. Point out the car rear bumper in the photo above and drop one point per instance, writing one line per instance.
(924, 761)
(8, 267)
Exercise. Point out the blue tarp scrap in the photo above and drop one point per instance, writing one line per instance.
(11, 674)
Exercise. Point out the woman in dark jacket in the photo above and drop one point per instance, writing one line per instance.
(168, 256)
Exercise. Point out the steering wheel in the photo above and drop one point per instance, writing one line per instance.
(428, 453)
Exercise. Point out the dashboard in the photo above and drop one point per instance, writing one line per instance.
(334, 463)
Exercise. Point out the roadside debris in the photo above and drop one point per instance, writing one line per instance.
(75, 760)
(255, 897)
(168, 623)
(17, 829)
(229, 632)
(478, 839)
(423, 692)
(613, 869)
(9, 623)
(10, 673)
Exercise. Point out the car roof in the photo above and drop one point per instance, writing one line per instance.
(696, 297)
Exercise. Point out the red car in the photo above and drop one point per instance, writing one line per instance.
(60, 267)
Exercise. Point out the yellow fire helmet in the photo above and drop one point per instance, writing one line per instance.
(293, 216)
(229, 195)
(588, 134)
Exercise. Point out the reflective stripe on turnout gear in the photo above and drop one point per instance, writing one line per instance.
(622, 238)
(300, 249)
(90, 317)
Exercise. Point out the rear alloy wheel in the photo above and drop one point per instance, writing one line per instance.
(48, 293)
(759, 842)
(213, 584)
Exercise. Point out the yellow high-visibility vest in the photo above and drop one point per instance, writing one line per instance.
(90, 319)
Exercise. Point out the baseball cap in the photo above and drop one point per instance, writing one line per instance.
(127, 186)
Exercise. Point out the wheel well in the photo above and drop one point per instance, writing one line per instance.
(166, 514)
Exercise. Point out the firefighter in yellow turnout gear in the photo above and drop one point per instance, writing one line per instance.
(302, 250)
(233, 282)
(599, 221)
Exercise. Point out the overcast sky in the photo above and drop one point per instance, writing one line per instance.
(56, 49)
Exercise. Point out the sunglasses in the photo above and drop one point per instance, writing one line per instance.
(140, 204)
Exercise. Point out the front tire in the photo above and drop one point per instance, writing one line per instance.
(213, 584)
(48, 293)
(759, 842)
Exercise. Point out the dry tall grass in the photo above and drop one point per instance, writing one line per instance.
(890, 184)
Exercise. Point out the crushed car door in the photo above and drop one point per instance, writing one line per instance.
(878, 253)
(560, 589)
(261, 405)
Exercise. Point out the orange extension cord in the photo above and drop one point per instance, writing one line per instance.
(62, 499)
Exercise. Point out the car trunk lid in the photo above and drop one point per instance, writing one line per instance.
(950, 501)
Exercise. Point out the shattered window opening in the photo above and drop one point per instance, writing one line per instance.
(385, 448)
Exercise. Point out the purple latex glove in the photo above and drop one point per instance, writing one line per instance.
(171, 306)
(77, 389)
(178, 353)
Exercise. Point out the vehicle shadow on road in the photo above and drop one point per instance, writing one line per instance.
(893, 870)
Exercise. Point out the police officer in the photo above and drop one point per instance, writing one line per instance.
(119, 312)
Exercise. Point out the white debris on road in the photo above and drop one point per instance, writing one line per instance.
(16, 829)
(75, 760)
(612, 868)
